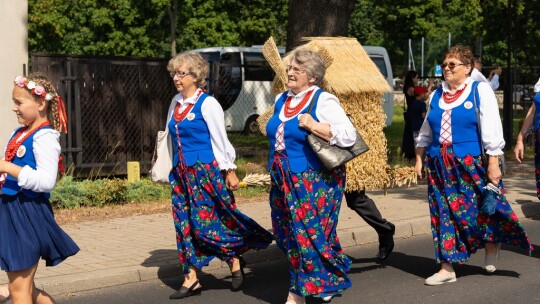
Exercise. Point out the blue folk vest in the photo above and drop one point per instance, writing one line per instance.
(299, 153)
(537, 114)
(465, 136)
(194, 136)
(11, 187)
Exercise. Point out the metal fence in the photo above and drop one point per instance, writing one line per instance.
(116, 105)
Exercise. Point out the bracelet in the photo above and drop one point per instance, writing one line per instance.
(489, 155)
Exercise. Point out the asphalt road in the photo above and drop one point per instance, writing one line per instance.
(398, 280)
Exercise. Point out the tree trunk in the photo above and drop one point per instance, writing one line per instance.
(173, 16)
(308, 18)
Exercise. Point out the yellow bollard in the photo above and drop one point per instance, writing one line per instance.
(133, 172)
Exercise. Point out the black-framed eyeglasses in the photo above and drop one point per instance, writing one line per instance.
(179, 74)
(295, 70)
(451, 65)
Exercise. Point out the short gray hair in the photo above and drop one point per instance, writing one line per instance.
(312, 62)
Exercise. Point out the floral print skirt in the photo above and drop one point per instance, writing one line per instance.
(305, 208)
(537, 161)
(454, 191)
(206, 219)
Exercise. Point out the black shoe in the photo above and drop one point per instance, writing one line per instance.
(238, 276)
(386, 244)
(185, 292)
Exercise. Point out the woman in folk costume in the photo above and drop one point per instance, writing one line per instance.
(206, 219)
(304, 198)
(28, 230)
(451, 138)
(532, 119)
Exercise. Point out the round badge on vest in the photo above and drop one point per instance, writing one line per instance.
(21, 151)
(191, 116)
(468, 105)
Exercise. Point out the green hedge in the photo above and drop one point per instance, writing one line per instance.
(70, 193)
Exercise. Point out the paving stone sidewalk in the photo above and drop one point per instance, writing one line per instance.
(143, 247)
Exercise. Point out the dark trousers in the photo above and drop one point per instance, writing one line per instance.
(366, 208)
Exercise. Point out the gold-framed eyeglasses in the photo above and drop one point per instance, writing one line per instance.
(179, 74)
(295, 70)
(451, 65)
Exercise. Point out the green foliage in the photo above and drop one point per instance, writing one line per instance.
(146, 190)
(70, 193)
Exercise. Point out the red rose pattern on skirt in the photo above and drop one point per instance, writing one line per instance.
(305, 208)
(206, 219)
(458, 228)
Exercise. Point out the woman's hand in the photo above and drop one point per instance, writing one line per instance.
(518, 151)
(306, 121)
(231, 180)
(494, 173)
(418, 166)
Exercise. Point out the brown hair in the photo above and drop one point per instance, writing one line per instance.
(52, 106)
(463, 53)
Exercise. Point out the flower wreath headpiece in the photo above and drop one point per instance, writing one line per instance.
(38, 90)
(35, 89)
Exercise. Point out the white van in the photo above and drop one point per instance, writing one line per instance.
(241, 80)
(380, 57)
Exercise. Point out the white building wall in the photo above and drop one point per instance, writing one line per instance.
(13, 55)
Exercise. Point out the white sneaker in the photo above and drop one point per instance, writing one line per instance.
(439, 279)
(491, 260)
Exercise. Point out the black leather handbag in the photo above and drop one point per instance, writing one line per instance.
(333, 156)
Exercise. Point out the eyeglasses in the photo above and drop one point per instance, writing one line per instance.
(451, 65)
(295, 70)
(179, 74)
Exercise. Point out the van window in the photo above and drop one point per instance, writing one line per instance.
(229, 80)
(379, 62)
(256, 68)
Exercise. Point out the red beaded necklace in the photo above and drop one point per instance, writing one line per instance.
(451, 97)
(290, 112)
(14, 144)
(179, 116)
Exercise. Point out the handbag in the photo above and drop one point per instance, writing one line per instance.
(162, 158)
(502, 162)
(333, 156)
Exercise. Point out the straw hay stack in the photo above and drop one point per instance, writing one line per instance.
(353, 77)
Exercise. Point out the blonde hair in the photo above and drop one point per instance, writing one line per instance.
(197, 66)
(52, 106)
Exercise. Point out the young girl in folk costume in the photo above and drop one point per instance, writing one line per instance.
(28, 230)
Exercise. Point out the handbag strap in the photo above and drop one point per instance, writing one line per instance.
(314, 99)
(477, 112)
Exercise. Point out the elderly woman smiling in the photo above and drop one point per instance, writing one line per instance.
(456, 174)
(304, 198)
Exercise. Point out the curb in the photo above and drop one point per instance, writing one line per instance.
(71, 283)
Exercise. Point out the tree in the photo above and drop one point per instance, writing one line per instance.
(317, 18)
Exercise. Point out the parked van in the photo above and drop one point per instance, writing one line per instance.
(241, 80)
(379, 55)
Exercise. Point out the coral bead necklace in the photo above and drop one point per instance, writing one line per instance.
(451, 97)
(179, 116)
(18, 139)
(290, 112)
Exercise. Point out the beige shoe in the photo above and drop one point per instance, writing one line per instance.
(439, 279)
